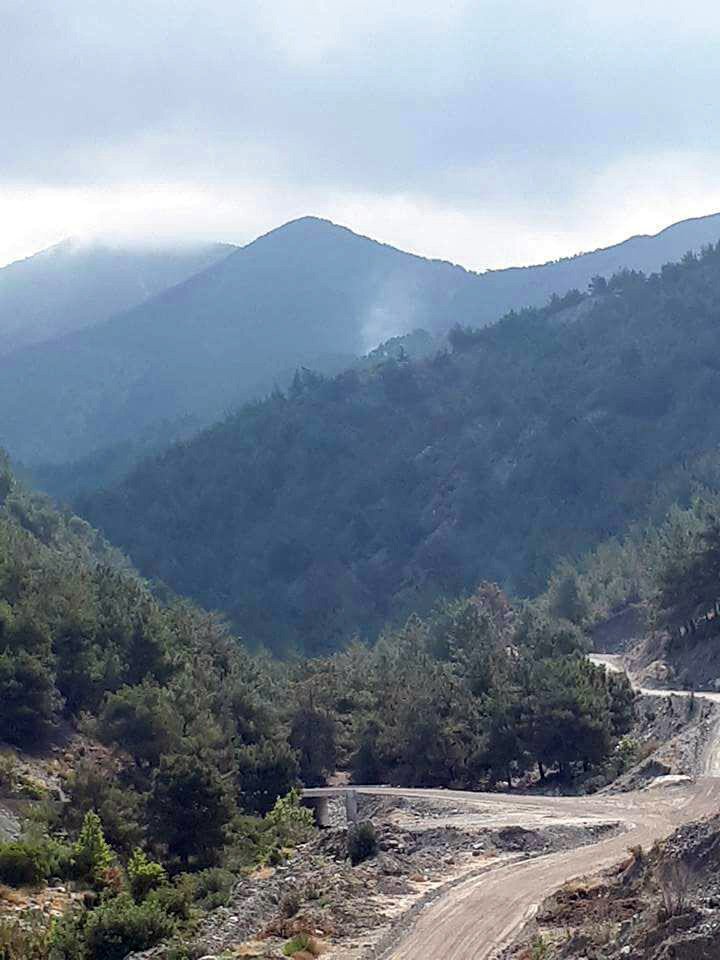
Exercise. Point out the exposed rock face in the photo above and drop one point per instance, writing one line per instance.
(9, 824)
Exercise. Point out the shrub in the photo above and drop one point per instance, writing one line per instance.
(175, 899)
(274, 857)
(26, 937)
(290, 902)
(300, 941)
(121, 926)
(23, 863)
(213, 887)
(144, 875)
(68, 937)
(93, 857)
(362, 842)
(291, 822)
(28, 698)
(539, 949)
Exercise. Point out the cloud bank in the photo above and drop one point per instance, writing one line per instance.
(482, 132)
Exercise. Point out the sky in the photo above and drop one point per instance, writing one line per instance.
(487, 133)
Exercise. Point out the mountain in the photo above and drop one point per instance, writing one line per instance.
(365, 497)
(309, 293)
(73, 285)
(518, 287)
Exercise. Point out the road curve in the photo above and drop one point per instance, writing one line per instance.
(476, 919)
(480, 916)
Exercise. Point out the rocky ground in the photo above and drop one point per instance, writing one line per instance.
(661, 904)
(673, 733)
(347, 910)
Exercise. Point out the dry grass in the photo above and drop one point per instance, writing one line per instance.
(12, 897)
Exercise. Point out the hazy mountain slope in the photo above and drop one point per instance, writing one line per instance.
(71, 286)
(308, 293)
(514, 288)
(365, 497)
(108, 465)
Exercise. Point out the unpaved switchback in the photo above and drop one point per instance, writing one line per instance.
(477, 918)
(474, 920)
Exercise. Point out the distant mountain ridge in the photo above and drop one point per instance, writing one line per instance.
(309, 293)
(74, 285)
(515, 287)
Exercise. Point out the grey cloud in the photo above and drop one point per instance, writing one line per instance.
(543, 92)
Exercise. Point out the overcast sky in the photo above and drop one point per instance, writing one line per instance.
(488, 133)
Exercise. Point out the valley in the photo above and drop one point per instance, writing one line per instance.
(359, 481)
(428, 581)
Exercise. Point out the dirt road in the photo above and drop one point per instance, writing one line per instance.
(476, 918)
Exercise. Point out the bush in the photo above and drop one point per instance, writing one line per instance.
(299, 942)
(213, 887)
(290, 902)
(539, 949)
(28, 698)
(26, 937)
(121, 926)
(289, 820)
(24, 863)
(175, 899)
(144, 875)
(362, 842)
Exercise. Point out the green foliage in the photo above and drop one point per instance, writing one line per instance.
(566, 600)
(212, 887)
(23, 864)
(26, 937)
(120, 926)
(290, 821)
(28, 699)
(112, 797)
(144, 875)
(142, 719)
(92, 855)
(313, 735)
(190, 808)
(362, 842)
(32, 859)
(265, 772)
(176, 899)
(297, 944)
(116, 927)
(539, 949)
(9, 773)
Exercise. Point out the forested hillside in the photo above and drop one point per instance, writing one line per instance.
(362, 498)
(309, 293)
(75, 285)
(180, 750)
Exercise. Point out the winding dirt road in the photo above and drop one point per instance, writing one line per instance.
(476, 918)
